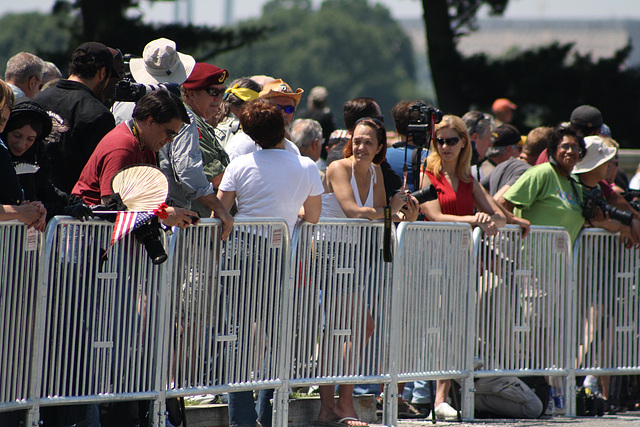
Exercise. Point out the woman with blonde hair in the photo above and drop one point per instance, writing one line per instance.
(461, 198)
(448, 168)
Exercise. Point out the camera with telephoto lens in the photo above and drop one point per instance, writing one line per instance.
(633, 197)
(148, 234)
(425, 194)
(593, 198)
(421, 116)
(130, 91)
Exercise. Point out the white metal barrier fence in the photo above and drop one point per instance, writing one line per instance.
(19, 268)
(226, 330)
(341, 297)
(523, 324)
(100, 312)
(433, 320)
(607, 311)
(253, 312)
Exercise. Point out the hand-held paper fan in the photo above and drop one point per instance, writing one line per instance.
(141, 187)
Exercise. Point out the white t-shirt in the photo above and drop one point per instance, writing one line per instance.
(272, 183)
(241, 143)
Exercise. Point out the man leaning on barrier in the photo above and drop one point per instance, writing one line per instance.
(157, 119)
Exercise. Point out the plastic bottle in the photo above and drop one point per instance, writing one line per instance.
(557, 392)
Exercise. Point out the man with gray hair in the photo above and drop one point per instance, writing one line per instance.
(24, 75)
(480, 126)
(307, 135)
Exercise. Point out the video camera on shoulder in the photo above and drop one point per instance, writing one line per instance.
(594, 198)
(130, 91)
(422, 118)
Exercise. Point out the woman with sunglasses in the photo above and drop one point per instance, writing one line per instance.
(461, 198)
(355, 189)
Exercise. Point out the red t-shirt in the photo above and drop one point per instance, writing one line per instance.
(452, 203)
(118, 149)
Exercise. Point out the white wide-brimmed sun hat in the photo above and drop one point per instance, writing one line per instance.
(598, 153)
(161, 63)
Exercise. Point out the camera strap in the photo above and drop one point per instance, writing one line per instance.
(416, 158)
(387, 251)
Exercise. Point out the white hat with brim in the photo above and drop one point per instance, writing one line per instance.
(598, 153)
(161, 63)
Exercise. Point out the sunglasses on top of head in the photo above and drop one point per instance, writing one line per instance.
(448, 141)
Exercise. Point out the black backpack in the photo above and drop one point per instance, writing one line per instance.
(589, 403)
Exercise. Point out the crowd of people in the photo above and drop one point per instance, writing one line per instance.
(236, 148)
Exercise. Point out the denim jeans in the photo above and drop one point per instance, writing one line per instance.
(242, 408)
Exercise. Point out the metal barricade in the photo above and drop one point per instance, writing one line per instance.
(523, 323)
(99, 312)
(225, 327)
(19, 268)
(434, 272)
(607, 329)
(341, 304)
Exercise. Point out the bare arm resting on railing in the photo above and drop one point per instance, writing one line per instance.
(32, 214)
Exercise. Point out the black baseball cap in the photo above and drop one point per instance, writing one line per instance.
(505, 135)
(96, 52)
(586, 116)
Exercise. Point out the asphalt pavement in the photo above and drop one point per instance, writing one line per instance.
(625, 419)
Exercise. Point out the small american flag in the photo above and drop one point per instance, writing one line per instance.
(127, 221)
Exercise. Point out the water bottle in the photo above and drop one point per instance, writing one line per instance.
(557, 393)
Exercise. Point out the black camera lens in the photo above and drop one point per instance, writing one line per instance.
(425, 194)
(149, 236)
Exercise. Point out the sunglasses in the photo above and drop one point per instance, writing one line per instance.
(289, 109)
(448, 141)
(212, 91)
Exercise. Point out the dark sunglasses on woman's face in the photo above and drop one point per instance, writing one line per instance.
(448, 141)
(289, 109)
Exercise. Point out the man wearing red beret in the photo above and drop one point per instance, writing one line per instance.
(195, 159)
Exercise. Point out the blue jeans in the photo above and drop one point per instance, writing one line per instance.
(242, 408)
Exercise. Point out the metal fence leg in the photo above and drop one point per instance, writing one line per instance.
(467, 395)
(570, 394)
(33, 416)
(281, 405)
(158, 413)
(390, 404)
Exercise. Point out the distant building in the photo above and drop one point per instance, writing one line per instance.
(497, 37)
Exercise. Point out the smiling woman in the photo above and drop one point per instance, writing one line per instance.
(547, 194)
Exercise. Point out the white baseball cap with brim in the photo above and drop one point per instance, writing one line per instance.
(598, 153)
(161, 63)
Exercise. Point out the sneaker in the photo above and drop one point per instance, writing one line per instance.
(444, 411)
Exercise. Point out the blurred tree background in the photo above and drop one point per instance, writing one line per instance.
(351, 47)
(355, 48)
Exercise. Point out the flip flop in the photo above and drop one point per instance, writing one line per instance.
(342, 422)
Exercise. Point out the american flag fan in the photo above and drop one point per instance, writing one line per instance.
(127, 221)
(143, 190)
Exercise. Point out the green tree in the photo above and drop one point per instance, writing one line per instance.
(445, 21)
(550, 81)
(17, 35)
(109, 22)
(349, 46)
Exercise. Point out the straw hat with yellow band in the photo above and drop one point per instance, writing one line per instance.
(243, 93)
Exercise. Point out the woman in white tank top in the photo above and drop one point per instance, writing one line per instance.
(355, 189)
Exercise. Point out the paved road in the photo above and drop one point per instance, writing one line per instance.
(627, 419)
